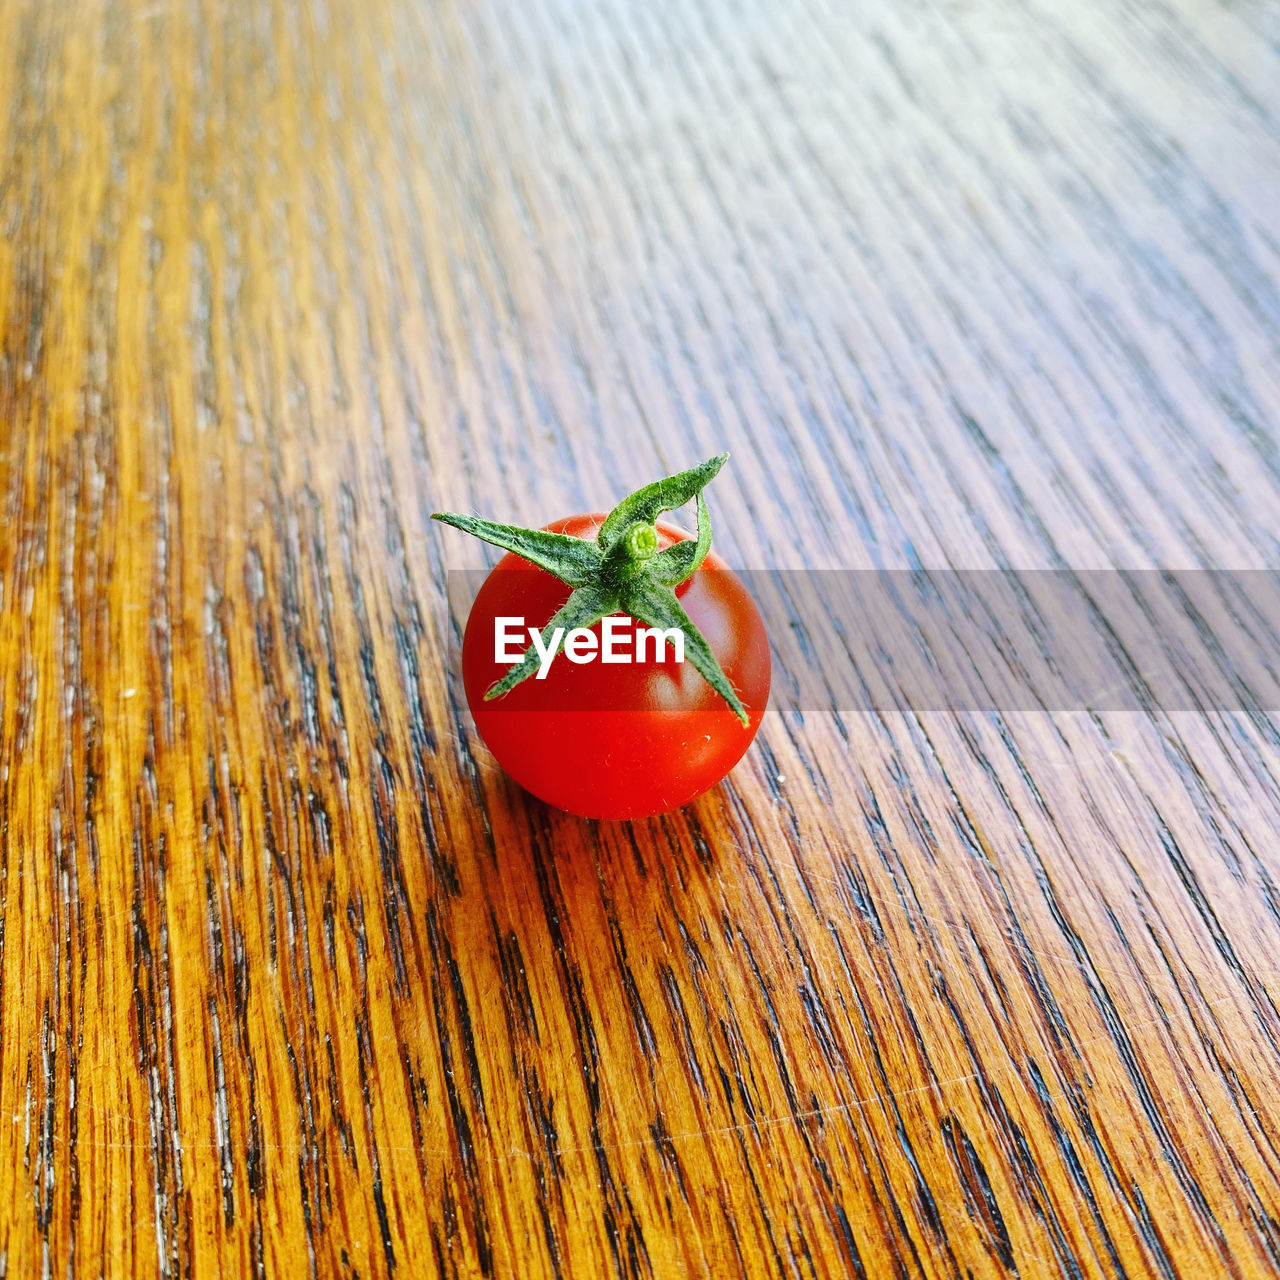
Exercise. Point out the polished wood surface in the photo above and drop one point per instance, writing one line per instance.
(293, 981)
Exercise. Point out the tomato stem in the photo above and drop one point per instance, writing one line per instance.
(641, 542)
(624, 567)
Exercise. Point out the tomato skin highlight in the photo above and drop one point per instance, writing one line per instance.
(617, 740)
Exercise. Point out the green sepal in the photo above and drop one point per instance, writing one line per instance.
(676, 563)
(649, 503)
(584, 608)
(655, 604)
(572, 560)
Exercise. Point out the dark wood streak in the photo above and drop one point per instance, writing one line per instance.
(293, 980)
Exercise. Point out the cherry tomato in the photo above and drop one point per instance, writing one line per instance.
(621, 739)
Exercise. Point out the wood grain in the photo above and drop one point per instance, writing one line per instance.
(294, 981)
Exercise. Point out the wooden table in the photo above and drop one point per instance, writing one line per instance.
(295, 981)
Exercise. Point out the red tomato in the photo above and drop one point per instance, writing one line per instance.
(617, 740)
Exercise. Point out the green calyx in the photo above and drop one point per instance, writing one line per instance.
(622, 571)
